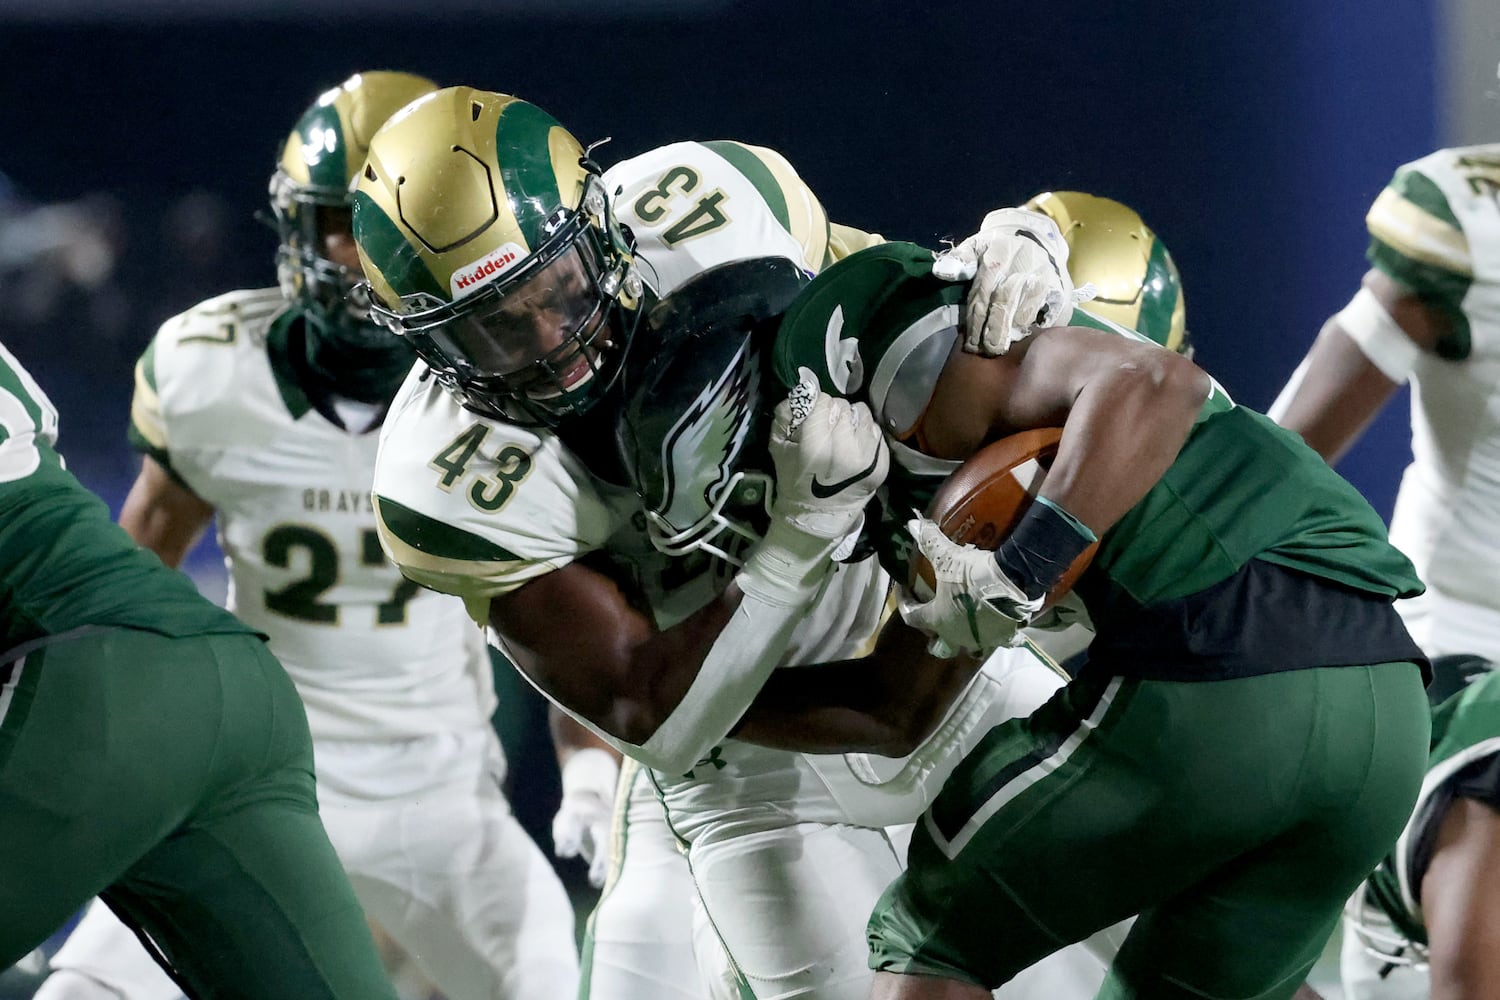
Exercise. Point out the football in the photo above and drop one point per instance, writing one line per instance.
(986, 496)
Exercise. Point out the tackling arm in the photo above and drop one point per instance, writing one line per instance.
(163, 515)
(1362, 355)
(886, 704)
(668, 695)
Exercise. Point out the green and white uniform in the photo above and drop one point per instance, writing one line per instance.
(395, 679)
(1435, 230)
(1385, 941)
(1240, 671)
(151, 751)
(786, 849)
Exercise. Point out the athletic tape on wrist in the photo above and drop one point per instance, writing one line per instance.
(1379, 336)
(1043, 545)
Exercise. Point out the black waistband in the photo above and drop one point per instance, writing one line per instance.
(1264, 619)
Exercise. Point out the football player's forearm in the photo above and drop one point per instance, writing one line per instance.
(576, 636)
(162, 515)
(1334, 394)
(1122, 433)
(886, 704)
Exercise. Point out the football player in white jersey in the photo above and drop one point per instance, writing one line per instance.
(500, 479)
(262, 408)
(1428, 313)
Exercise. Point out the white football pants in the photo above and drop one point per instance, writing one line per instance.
(787, 855)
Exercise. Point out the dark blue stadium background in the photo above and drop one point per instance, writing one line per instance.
(1252, 136)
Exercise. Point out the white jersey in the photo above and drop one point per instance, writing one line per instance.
(1436, 231)
(477, 507)
(372, 654)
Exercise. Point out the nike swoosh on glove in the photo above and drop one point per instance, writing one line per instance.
(830, 457)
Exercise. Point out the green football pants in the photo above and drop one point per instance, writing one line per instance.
(173, 777)
(1234, 816)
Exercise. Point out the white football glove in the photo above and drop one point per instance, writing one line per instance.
(582, 824)
(830, 457)
(1018, 268)
(975, 608)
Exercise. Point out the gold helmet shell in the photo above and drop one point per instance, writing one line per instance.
(487, 240)
(1110, 247)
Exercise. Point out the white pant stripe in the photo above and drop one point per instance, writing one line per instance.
(1024, 780)
(8, 688)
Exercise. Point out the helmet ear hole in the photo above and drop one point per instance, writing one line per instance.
(475, 110)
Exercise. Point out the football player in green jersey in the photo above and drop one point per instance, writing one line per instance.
(152, 752)
(1248, 736)
(1426, 922)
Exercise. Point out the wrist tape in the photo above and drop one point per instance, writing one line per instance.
(1041, 548)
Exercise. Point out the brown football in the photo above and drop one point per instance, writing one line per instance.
(984, 498)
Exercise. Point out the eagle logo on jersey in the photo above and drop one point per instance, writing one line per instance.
(699, 452)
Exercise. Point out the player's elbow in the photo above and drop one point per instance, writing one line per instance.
(661, 741)
(1172, 380)
(635, 719)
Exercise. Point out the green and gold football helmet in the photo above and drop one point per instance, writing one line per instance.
(1112, 249)
(488, 241)
(311, 197)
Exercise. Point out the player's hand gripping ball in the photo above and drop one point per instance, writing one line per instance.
(974, 510)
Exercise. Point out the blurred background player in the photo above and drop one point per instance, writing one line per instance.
(1428, 312)
(263, 407)
(152, 751)
(1427, 922)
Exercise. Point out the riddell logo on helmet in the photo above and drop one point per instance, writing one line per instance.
(485, 270)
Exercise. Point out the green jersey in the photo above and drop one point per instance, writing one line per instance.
(63, 562)
(879, 327)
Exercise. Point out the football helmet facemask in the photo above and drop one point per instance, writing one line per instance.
(1110, 247)
(488, 242)
(311, 200)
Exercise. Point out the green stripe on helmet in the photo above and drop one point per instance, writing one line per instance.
(323, 148)
(382, 240)
(1159, 293)
(438, 539)
(758, 174)
(525, 157)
